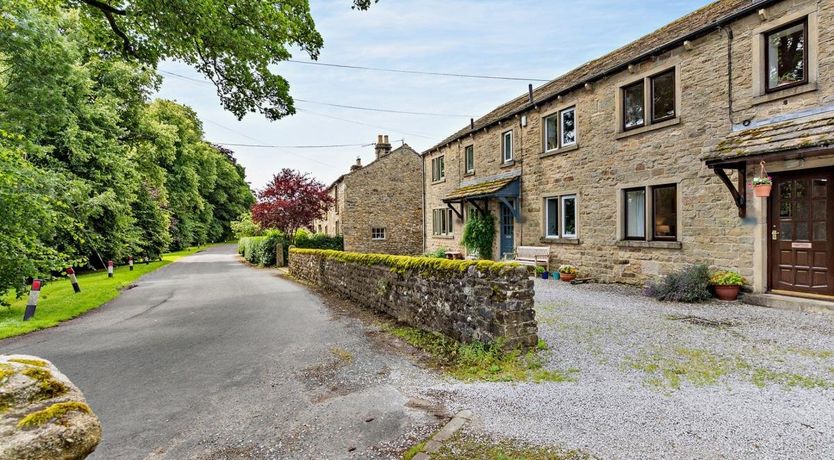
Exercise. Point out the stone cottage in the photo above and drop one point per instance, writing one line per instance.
(640, 162)
(378, 208)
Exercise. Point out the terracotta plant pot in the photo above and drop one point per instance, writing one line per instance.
(762, 191)
(567, 277)
(729, 292)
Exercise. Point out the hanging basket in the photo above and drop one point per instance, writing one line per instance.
(762, 183)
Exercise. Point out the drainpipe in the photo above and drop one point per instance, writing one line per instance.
(730, 37)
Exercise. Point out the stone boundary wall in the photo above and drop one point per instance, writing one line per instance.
(464, 300)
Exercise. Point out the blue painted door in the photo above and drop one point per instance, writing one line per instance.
(507, 231)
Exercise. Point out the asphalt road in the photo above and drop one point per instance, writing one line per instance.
(209, 358)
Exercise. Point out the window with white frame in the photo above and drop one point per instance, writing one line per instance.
(507, 146)
(651, 213)
(786, 56)
(378, 233)
(560, 216)
(650, 100)
(442, 222)
(560, 129)
(469, 158)
(438, 169)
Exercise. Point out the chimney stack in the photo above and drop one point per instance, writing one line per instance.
(382, 146)
(357, 166)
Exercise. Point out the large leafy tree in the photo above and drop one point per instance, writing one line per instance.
(291, 200)
(232, 42)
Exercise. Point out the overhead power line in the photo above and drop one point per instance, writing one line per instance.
(342, 106)
(415, 72)
(227, 144)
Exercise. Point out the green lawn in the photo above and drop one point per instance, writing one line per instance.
(59, 303)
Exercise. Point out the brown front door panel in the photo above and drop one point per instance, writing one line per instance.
(801, 255)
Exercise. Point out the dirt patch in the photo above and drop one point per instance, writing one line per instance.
(698, 321)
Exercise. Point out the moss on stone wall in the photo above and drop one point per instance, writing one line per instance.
(408, 263)
(55, 411)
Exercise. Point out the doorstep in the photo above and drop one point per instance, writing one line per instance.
(784, 302)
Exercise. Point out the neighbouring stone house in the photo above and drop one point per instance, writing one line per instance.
(640, 162)
(378, 208)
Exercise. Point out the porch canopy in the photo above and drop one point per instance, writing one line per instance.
(499, 189)
(793, 137)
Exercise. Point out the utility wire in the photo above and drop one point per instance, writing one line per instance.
(415, 72)
(294, 146)
(343, 106)
(365, 124)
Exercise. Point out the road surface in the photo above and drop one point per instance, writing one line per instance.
(209, 358)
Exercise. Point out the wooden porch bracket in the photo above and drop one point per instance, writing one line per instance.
(458, 213)
(736, 190)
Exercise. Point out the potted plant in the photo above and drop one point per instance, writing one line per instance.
(542, 272)
(726, 284)
(567, 272)
(762, 183)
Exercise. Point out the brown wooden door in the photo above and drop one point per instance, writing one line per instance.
(801, 255)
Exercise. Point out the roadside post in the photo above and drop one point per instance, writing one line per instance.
(73, 280)
(109, 268)
(34, 295)
(130, 262)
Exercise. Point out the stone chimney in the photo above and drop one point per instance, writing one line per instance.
(382, 146)
(357, 166)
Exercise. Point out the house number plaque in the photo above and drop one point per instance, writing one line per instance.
(801, 245)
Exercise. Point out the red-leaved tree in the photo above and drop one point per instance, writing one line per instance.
(290, 201)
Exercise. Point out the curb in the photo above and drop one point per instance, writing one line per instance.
(436, 441)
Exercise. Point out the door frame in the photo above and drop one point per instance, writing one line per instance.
(501, 222)
(772, 245)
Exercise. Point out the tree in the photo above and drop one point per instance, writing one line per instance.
(232, 42)
(290, 201)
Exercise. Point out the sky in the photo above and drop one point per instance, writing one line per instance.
(515, 38)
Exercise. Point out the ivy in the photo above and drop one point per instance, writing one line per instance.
(479, 234)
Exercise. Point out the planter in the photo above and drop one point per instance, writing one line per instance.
(545, 275)
(567, 277)
(727, 292)
(762, 191)
(556, 275)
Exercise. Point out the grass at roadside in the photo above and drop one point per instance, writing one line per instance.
(462, 446)
(480, 362)
(58, 302)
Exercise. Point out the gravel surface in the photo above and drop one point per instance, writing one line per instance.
(663, 380)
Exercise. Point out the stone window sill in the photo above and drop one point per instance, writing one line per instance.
(571, 241)
(567, 149)
(650, 244)
(649, 128)
(785, 93)
(469, 174)
(508, 164)
(439, 181)
(443, 237)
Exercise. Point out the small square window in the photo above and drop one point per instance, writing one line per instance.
(378, 233)
(663, 96)
(786, 56)
(469, 155)
(560, 216)
(634, 106)
(442, 222)
(507, 146)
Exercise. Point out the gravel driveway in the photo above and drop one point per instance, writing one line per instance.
(663, 380)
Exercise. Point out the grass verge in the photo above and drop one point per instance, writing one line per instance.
(462, 446)
(481, 362)
(59, 303)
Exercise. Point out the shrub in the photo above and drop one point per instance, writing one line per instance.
(568, 269)
(260, 250)
(306, 240)
(479, 233)
(688, 285)
(539, 269)
(245, 227)
(439, 253)
(726, 278)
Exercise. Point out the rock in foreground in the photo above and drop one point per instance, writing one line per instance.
(42, 414)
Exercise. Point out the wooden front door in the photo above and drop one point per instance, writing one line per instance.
(507, 231)
(801, 255)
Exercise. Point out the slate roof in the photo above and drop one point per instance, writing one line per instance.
(405, 147)
(478, 190)
(702, 19)
(798, 134)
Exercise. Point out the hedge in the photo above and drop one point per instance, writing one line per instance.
(260, 250)
(402, 263)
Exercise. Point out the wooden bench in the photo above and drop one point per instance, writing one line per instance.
(533, 256)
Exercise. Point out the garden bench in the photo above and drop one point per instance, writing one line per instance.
(533, 256)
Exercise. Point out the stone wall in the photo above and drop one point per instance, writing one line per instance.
(465, 300)
(607, 161)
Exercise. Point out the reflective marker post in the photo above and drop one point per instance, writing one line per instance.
(130, 262)
(73, 280)
(34, 295)
(109, 268)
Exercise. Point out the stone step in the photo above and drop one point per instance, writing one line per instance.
(784, 302)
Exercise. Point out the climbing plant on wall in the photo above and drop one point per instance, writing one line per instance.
(479, 234)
